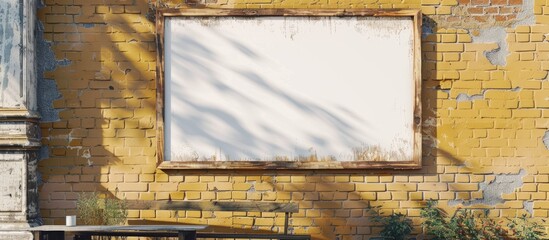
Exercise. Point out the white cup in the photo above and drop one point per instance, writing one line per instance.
(70, 221)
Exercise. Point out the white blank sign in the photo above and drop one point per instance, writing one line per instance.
(289, 89)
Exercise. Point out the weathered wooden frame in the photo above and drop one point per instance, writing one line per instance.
(413, 163)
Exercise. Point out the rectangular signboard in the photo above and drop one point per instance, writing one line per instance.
(289, 89)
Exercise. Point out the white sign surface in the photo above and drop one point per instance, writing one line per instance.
(291, 89)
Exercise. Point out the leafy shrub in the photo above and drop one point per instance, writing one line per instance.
(467, 224)
(395, 226)
(93, 210)
(521, 228)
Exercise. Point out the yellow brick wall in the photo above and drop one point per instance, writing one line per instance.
(480, 120)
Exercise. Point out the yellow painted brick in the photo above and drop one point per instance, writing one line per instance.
(431, 195)
(444, 10)
(193, 187)
(242, 186)
(540, 213)
(220, 186)
(225, 195)
(335, 187)
(463, 187)
(467, 84)
(521, 47)
(479, 47)
(522, 29)
(428, 10)
(541, 98)
(342, 179)
(384, 196)
(368, 196)
(205, 179)
(541, 205)
(400, 178)
(306, 187)
(526, 113)
(495, 113)
(131, 178)
(243, 195)
(450, 47)
(147, 214)
(163, 187)
(432, 186)
(298, 179)
(464, 113)
(132, 187)
(415, 196)
(401, 187)
(370, 187)
(464, 38)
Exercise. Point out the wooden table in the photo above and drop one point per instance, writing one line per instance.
(57, 232)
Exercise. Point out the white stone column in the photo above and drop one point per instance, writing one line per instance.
(19, 130)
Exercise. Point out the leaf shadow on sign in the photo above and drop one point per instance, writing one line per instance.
(198, 64)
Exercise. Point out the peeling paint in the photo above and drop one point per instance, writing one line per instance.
(497, 34)
(546, 139)
(47, 88)
(528, 206)
(463, 97)
(11, 55)
(526, 15)
(492, 191)
(427, 27)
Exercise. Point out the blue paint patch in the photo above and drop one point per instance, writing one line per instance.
(40, 4)
(47, 90)
(47, 93)
(39, 180)
(64, 62)
(43, 153)
(428, 26)
(88, 25)
(45, 56)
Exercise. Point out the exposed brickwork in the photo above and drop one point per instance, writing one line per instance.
(479, 120)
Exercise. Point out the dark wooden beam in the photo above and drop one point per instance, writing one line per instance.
(215, 206)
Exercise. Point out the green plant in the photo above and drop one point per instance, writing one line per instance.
(468, 224)
(465, 224)
(93, 210)
(395, 226)
(521, 228)
(435, 222)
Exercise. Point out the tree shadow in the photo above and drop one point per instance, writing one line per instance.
(106, 135)
(102, 141)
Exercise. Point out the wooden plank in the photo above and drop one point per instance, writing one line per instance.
(252, 236)
(103, 228)
(215, 206)
(160, 86)
(293, 165)
(56, 235)
(196, 12)
(417, 156)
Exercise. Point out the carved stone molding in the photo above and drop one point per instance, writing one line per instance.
(19, 129)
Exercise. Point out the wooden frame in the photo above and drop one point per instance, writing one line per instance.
(413, 163)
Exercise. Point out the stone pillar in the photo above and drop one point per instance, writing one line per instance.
(19, 130)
